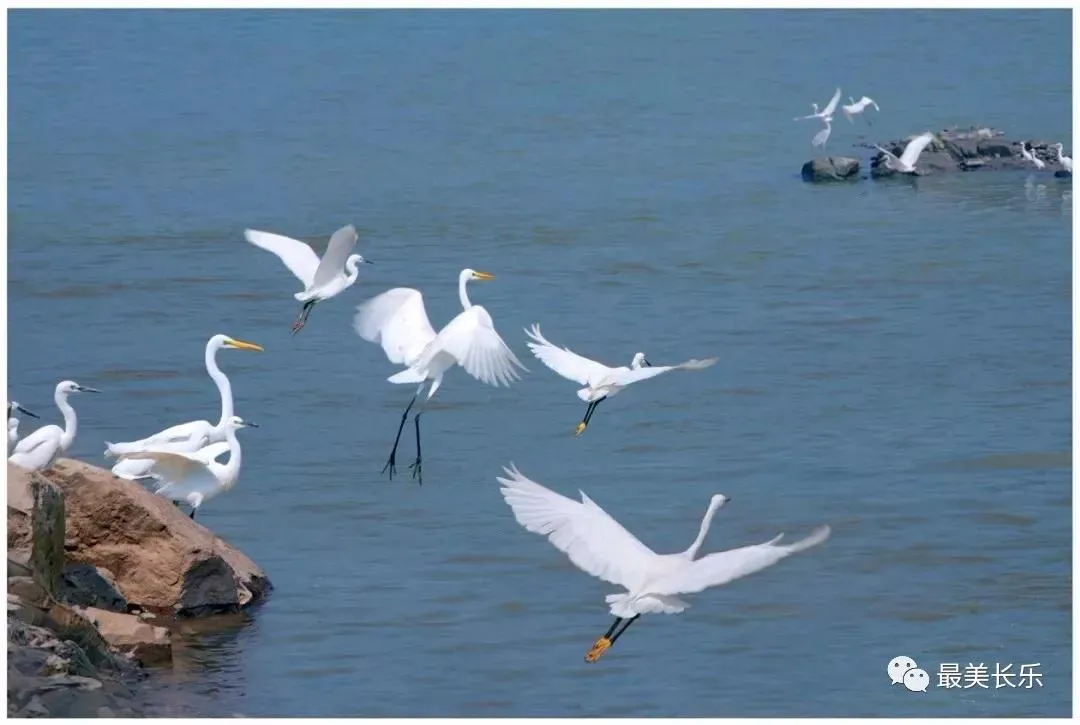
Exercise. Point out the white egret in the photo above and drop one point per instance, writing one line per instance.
(1025, 151)
(190, 436)
(40, 449)
(598, 545)
(397, 320)
(822, 136)
(195, 477)
(906, 163)
(600, 381)
(13, 423)
(1065, 161)
(857, 107)
(827, 112)
(323, 279)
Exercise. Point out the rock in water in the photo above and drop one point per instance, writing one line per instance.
(87, 586)
(977, 148)
(832, 168)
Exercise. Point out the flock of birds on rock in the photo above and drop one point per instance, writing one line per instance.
(182, 460)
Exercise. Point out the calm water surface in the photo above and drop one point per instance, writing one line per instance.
(894, 357)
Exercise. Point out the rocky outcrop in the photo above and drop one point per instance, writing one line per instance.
(832, 168)
(974, 149)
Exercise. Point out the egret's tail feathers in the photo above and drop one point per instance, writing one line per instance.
(816, 537)
(408, 375)
(627, 606)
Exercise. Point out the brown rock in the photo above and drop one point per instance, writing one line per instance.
(130, 635)
(160, 559)
(27, 589)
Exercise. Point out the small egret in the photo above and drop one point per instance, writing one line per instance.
(598, 545)
(822, 136)
(195, 477)
(827, 112)
(322, 279)
(1065, 161)
(857, 107)
(397, 321)
(13, 423)
(190, 436)
(600, 381)
(1025, 151)
(40, 449)
(906, 163)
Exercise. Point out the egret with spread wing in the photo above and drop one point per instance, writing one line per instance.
(13, 423)
(856, 108)
(323, 279)
(397, 321)
(600, 381)
(40, 449)
(827, 112)
(906, 163)
(822, 136)
(598, 545)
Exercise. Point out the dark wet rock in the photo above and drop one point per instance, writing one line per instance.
(85, 585)
(832, 168)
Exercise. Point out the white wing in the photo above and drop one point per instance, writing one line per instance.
(297, 256)
(212, 451)
(868, 101)
(566, 363)
(896, 161)
(470, 338)
(725, 566)
(595, 542)
(185, 436)
(181, 473)
(630, 375)
(398, 322)
(822, 136)
(914, 148)
(44, 434)
(831, 108)
(333, 262)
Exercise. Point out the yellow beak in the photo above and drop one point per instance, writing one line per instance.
(241, 345)
(483, 276)
(602, 645)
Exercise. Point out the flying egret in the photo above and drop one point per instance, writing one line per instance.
(906, 163)
(1065, 161)
(13, 423)
(823, 135)
(40, 449)
(195, 477)
(190, 436)
(397, 320)
(600, 381)
(322, 279)
(1025, 151)
(827, 112)
(598, 545)
(857, 107)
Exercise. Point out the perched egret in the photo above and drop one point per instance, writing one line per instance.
(598, 545)
(40, 449)
(13, 423)
(857, 107)
(190, 436)
(1065, 161)
(397, 320)
(822, 136)
(827, 112)
(906, 163)
(195, 477)
(1025, 151)
(600, 381)
(322, 279)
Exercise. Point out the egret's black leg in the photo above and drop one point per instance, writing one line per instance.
(625, 627)
(390, 461)
(603, 644)
(192, 514)
(417, 470)
(301, 320)
(588, 415)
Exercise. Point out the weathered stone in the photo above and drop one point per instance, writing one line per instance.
(86, 585)
(831, 168)
(130, 635)
(27, 590)
(36, 523)
(19, 562)
(977, 148)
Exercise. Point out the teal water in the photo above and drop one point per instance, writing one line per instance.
(894, 357)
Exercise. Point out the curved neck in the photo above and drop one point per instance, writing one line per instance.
(231, 470)
(71, 423)
(703, 532)
(352, 267)
(462, 281)
(223, 386)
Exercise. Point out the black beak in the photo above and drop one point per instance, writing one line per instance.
(368, 261)
(83, 389)
(24, 410)
(647, 363)
(249, 424)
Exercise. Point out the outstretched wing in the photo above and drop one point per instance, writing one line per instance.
(212, 451)
(470, 338)
(915, 148)
(566, 363)
(173, 466)
(889, 154)
(184, 437)
(595, 542)
(396, 320)
(341, 245)
(725, 566)
(868, 101)
(831, 108)
(632, 375)
(297, 256)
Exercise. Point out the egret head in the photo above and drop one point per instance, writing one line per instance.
(236, 423)
(639, 361)
(356, 259)
(472, 274)
(220, 341)
(67, 387)
(718, 500)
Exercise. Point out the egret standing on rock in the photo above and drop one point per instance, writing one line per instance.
(827, 112)
(857, 107)
(13, 423)
(906, 163)
(1025, 151)
(40, 449)
(323, 278)
(822, 136)
(397, 320)
(600, 381)
(1065, 161)
(598, 545)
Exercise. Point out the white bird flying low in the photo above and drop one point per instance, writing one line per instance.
(397, 320)
(1025, 151)
(856, 108)
(827, 112)
(184, 437)
(906, 163)
(13, 423)
(599, 546)
(1065, 161)
(323, 279)
(600, 381)
(40, 449)
(195, 477)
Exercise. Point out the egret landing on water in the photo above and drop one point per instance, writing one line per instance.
(599, 546)
(1025, 151)
(323, 279)
(40, 449)
(856, 108)
(1065, 161)
(906, 163)
(397, 320)
(13, 423)
(600, 381)
(827, 112)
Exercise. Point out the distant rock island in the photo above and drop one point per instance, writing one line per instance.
(971, 149)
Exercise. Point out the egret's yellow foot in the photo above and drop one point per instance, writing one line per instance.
(580, 429)
(602, 645)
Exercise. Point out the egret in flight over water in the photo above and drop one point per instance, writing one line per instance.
(1025, 151)
(13, 423)
(827, 112)
(600, 381)
(598, 545)
(397, 320)
(1065, 161)
(856, 108)
(323, 279)
(195, 477)
(40, 449)
(822, 136)
(185, 437)
(906, 163)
